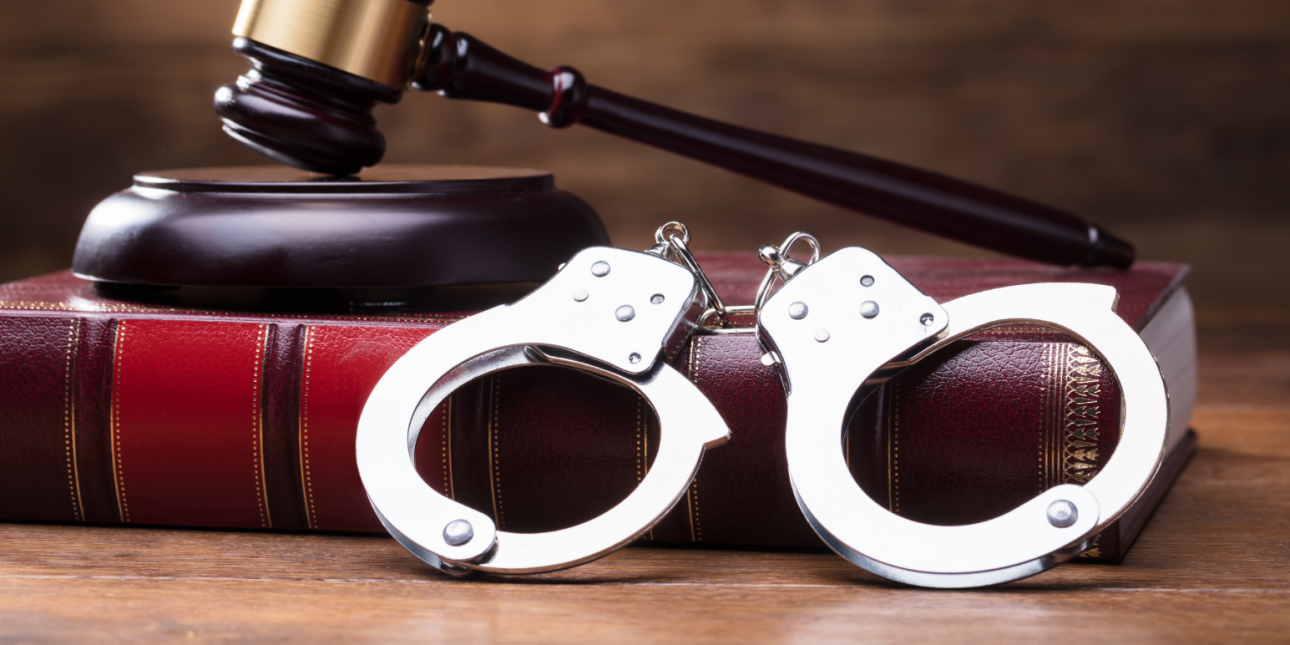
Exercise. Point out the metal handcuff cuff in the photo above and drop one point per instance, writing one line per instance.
(613, 313)
(842, 325)
(836, 329)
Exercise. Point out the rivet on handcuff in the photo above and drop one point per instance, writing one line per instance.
(836, 329)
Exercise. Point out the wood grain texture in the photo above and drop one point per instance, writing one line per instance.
(1166, 120)
(1211, 566)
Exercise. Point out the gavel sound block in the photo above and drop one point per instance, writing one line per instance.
(392, 237)
(319, 67)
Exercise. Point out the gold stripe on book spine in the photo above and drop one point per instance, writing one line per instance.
(1080, 386)
(1050, 392)
(1056, 414)
(1095, 549)
(306, 476)
(1083, 385)
(692, 493)
(257, 419)
(114, 425)
(69, 418)
(642, 447)
(893, 448)
(95, 307)
(448, 486)
(640, 433)
(494, 446)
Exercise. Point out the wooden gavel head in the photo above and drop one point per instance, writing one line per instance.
(318, 69)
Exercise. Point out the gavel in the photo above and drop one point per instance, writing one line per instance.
(320, 66)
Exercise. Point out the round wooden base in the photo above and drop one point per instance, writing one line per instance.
(391, 230)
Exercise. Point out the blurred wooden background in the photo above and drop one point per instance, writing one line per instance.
(1167, 120)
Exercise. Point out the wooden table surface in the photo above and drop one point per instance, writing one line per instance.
(1212, 566)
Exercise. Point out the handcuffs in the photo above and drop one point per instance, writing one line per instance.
(836, 329)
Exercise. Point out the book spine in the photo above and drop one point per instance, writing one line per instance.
(153, 420)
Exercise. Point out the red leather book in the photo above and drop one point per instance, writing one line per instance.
(112, 412)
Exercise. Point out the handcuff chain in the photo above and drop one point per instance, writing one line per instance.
(781, 265)
(671, 241)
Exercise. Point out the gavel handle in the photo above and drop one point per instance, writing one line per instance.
(458, 65)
